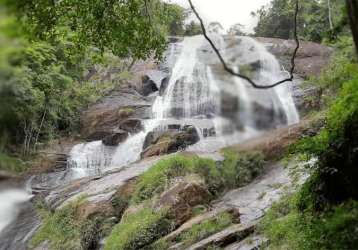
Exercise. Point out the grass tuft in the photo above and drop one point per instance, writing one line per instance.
(138, 230)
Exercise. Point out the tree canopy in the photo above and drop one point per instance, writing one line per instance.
(276, 19)
(134, 28)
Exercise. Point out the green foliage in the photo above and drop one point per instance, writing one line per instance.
(342, 68)
(157, 179)
(133, 28)
(63, 229)
(206, 228)
(334, 179)
(41, 89)
(192, 29)
(175, 17)
(138, 230)
(11, 164)
(287, 227)
(239, 169)
(38, 85)
(277, 20)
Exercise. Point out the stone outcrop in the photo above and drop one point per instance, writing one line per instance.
(131, 125)
(170, 141)
(124, 102)
(115, 138)
(229, 235)
(120, 109)
(181, 198)
(311, 57)
(307, 97)
(88, 210)
(201, 218)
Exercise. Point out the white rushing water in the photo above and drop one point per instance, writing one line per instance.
(202, 94)
(10, 201)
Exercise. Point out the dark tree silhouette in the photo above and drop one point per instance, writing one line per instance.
(352, 7)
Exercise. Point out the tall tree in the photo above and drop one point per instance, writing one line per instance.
(352, 7)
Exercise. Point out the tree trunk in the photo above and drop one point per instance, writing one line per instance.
(330, 15)
(352, 7)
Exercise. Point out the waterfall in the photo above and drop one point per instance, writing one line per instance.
(10, 201)
(200, 93)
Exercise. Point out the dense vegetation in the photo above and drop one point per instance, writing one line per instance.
(66, 229)
(314, 22)
(46, 52)
(323, 213)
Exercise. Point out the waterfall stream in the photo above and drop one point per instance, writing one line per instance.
(200, 93)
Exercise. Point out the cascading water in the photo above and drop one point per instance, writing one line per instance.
(200, 93)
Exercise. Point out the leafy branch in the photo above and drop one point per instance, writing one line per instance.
(248, 79)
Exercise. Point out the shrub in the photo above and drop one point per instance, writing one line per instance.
(287, 227)
(138, 230)
(61, 228)
(11, 164)
(240, 169)
(335, 147)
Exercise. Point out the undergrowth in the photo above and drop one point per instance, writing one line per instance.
(138, 230)
(288, 227)
(323, 214)
(238, 169)
(209, 227)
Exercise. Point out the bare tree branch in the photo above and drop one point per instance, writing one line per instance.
(231, 71)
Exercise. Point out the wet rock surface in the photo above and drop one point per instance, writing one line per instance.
(267, 117)
(122, 109)
(201, 218)
(311, 57)
(307, 96)
(254, 199)
(131, 125)
(116, 138)
(100, 188)
(170, 141)
(17, 235)
(227, 236)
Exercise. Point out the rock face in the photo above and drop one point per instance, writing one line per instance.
(122, 109)
(310, 59)
(89, 210)
(116, 138)
(227, 236)
(148, 87)
(181, 198)
(307, 97)
(125, 102)
(131, 125)
(267, 118)
(153, 81)
(170, 141)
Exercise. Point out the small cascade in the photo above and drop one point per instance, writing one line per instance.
(224, 109)
(10, 204)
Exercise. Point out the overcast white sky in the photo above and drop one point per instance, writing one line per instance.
(227, 12)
